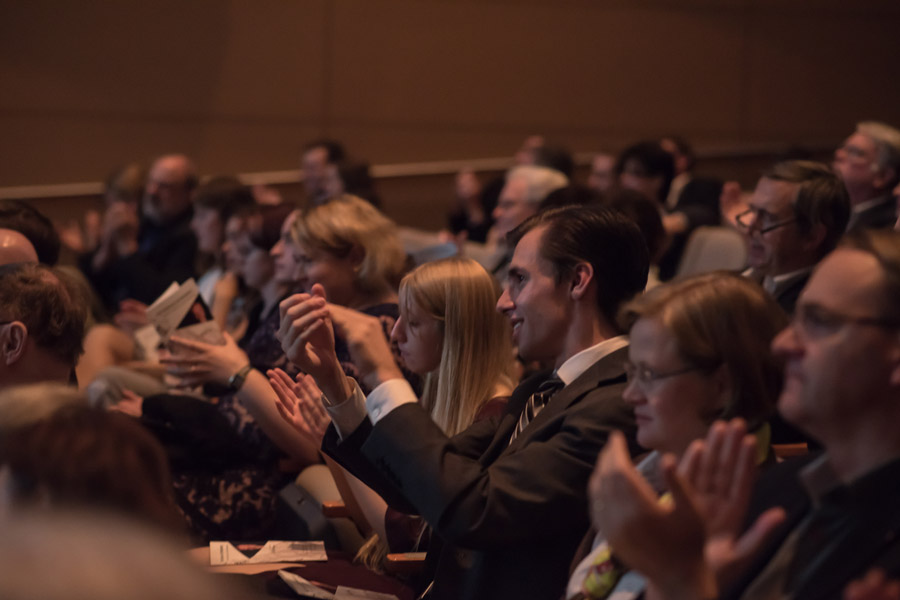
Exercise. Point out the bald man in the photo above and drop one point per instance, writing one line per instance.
(140, 255)
(15, 248)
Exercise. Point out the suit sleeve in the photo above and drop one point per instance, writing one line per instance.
(535, 491)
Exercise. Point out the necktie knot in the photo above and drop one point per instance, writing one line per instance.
(536, 402)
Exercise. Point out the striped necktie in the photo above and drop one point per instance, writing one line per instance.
(536, 402)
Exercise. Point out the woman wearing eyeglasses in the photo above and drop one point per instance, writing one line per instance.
(699, 351)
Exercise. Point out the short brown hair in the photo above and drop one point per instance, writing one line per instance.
(722, 319)
(607, 239)
(821, 198)
(51, 305)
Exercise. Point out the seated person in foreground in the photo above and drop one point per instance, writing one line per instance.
(505, 497)
(820, 521)
(450, 334)
(699, 351)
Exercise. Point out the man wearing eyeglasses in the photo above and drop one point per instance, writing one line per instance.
(796, 216)
(869, 163)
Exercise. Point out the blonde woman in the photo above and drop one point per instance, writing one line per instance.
(450, 333)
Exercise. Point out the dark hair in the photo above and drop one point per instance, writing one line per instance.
(654, 162)
(52, 306)
(606, 239)
(89, 458)
(821, 198)
(265, 231)
(645, 213)
(683, 148)
(574, 194)
(555, 157)
(27, 220)
(333, 149)
(223, 194)
(358, 181)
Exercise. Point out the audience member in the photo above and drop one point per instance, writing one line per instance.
(350, 177)
(84, 458)
(42, 317)
(645, 213)
(15, 247)
(139, 259)
(90, 556)
(27, 220)
(796, 216)
(869, 163)
(506, 496)
(317, 156)
(646, 168)
(449, 333)
(215, 201)
(818, 522)
(698, 352)
(603, 176)
(573, 194)
(691, 202)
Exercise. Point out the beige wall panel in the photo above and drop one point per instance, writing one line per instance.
(169, 57)
(69, 147)
(489, 67)
(811, 77)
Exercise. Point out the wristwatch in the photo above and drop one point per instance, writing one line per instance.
(236, 381)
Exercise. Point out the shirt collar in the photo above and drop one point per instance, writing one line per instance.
(578, 363)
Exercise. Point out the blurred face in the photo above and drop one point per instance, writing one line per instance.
(635, 177)
(207, 227)
(332, 183)
(536, 305)
(165, 196)
(235, 234)
(284, 252)
(259, 266)
(677, 406)
(774, 245)
(856, 161)
(602, 174)
(512, 207)
(313, 168)
(835, 366)
(420, 339)
(336, 275)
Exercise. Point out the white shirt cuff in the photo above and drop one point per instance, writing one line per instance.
(388, 396)
(347, 415)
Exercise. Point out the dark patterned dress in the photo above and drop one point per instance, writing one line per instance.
(237, 501)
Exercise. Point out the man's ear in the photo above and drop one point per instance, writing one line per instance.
(815, 236)
(13, 339)
(582, 276)
(357, 256)
(883, 176)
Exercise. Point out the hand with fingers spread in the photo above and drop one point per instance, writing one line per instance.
(663, 541)
(300, 403)
(369, 348)
(722, 470)
(196, 363)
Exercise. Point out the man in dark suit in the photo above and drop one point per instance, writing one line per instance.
(796, 215)
(869, 163)
(506, 497)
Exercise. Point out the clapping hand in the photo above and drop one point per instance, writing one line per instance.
(196, 363)
(300, 403)
(369, 348)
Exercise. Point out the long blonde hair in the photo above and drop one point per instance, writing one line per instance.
(477, 349)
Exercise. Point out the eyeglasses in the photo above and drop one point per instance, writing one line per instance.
(815, 321)
(643, 376)
(754, 217)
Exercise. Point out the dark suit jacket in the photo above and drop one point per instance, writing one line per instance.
(699, 202)
(882, 215)
(787, 298)
(873, 542)
(506, 517)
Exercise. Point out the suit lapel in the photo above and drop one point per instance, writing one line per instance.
(510, 418)
(606, 370)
